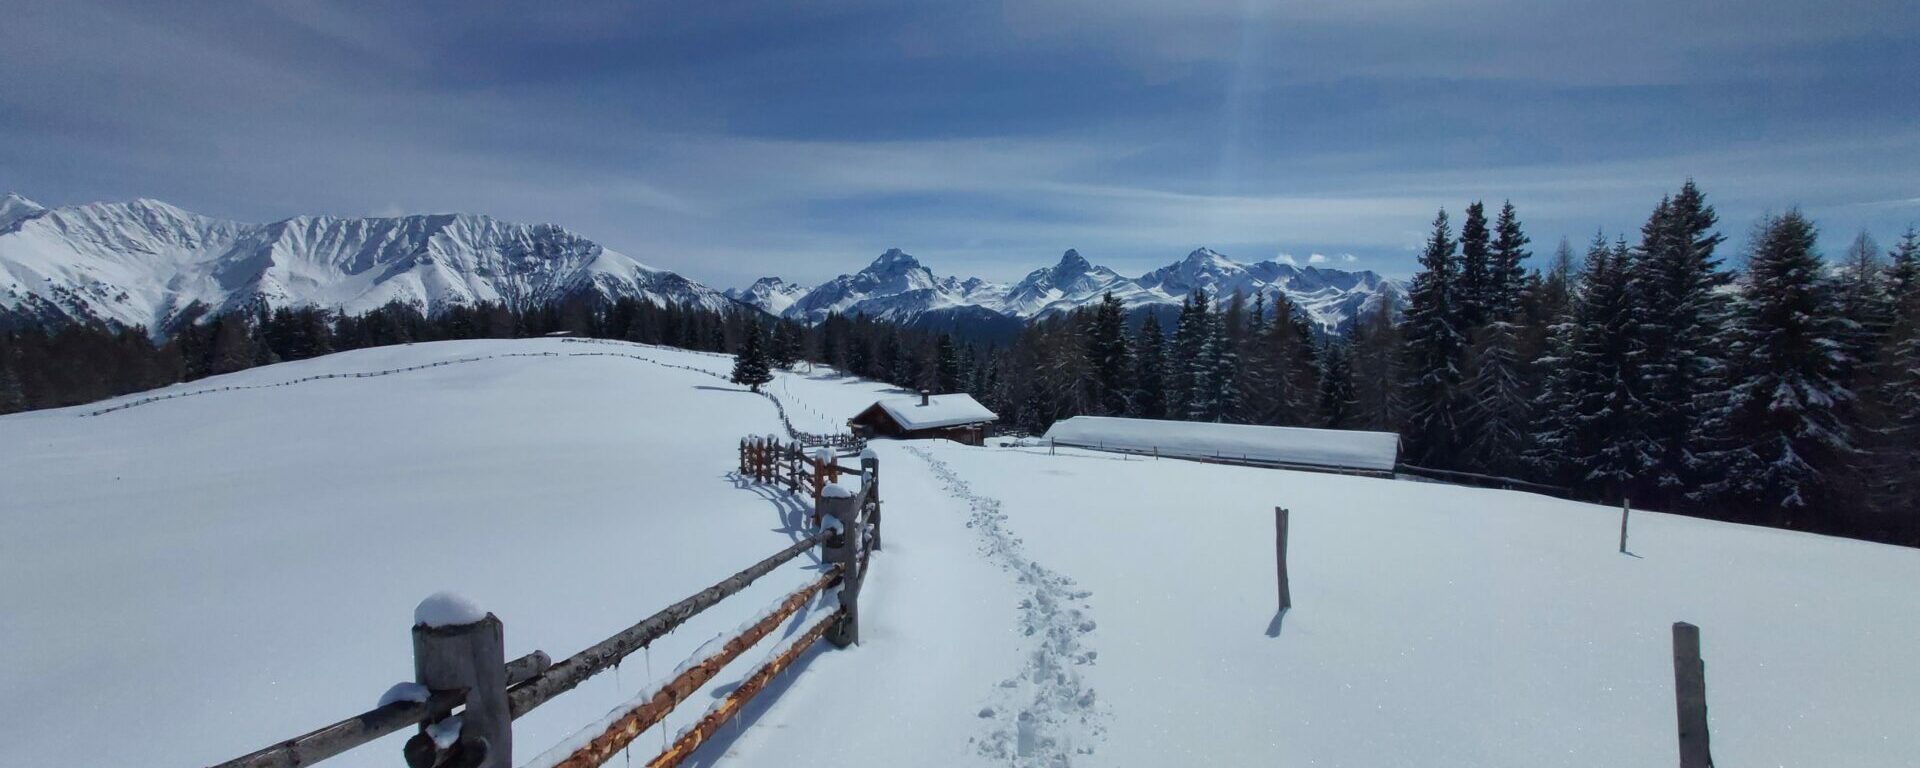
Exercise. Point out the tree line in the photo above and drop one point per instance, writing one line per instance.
(1784, 392)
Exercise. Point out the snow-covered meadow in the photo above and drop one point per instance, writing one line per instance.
(202, 575)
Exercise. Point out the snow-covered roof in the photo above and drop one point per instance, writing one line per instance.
(1332, 448)
(939, 411)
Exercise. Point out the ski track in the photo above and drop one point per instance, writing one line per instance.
(1046, 716)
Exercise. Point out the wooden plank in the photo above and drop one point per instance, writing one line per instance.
(327, 741)
(568, 674)
(710, 723)
(1690, 696)
(650, 712)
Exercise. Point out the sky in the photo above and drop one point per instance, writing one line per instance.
(729, 140)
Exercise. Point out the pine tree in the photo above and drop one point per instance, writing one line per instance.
(1112, 363)
(1189, 339)
(1507, 273)
(1592, 404)
(1476, 271)
(1436, 352)
(1500, 407)
(1149, 399)
(1373, 342)
(1337, 404)
(1782, 425)
(1677, 311)
(751, 366)
(946, 365)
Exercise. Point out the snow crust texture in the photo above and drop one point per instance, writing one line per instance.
(1046, 715)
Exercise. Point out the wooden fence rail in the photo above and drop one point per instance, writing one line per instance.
(468, 695)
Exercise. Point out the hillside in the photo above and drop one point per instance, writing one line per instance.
(238, 562)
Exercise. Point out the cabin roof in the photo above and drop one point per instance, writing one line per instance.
(947, 410)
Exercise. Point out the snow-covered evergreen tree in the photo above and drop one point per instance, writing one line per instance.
(1189, 339)
(1373, 342)
(1499, 412)
(1337, 402)
(1112, 361)
(750, 364)
(1585, 437)
(1677, 310)
(1782, 433)
(1475, 270)
(1436, 352)
(1506, 271)
(1149, 400)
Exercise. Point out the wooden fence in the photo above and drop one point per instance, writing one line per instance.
(466, 694)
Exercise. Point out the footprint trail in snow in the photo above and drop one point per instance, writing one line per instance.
(1046, 716)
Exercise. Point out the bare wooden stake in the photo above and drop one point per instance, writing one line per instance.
(1625, 507)
(1690, 696)
(1280, 555)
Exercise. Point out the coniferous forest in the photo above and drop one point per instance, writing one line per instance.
(1764, 385)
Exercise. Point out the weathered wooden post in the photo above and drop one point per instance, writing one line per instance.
(1690, 696)
(870, 488)
(457, 646)
(1280, 555)
(743, 457)
(840, 509)
(1625, 507)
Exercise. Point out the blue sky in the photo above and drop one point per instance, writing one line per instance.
(729, 140)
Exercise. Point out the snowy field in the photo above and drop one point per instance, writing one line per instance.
(202, 575)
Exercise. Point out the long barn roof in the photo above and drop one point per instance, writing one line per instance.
(1332, 448)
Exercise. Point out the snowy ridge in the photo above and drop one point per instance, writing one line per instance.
(769, 294)
(897, 287)
(1047, 715)
(147, 263)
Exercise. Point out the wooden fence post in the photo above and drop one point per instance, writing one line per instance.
(1625, 507)
(870, 488)
(457, 647)
(842, 507)
(1280, 555)
(1690, 696)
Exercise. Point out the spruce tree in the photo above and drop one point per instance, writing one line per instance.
(1436, 351)
(1107, 350)
(946, 365)
(1674, 285)
(1499, 413)
(1337, 404)
(1189, 342)
(750, 365)
(1781, 427)
(1592, 404)
(1893, 473)
(1865, 305)
(1507, 272)
(1475, 297)
(1149, 399)
(1373, 343)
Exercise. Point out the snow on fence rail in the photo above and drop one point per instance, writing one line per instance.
(466, 695)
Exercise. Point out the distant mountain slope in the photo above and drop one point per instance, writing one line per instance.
(768, 294)
(898, 287)
(147, 263)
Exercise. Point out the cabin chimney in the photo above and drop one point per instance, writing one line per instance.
(924, 395)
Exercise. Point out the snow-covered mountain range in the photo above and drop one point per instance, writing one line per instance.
(147, 263)
(898, 287)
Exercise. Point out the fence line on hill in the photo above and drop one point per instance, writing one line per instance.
(466, 694)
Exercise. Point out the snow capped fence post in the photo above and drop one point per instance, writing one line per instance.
(842, 507)
(1280, 555)
(457, 646)
(1690, 696)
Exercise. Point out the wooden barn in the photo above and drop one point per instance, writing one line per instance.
(957, 417)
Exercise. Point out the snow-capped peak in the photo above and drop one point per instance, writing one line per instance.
(770, 294)
(14, 208)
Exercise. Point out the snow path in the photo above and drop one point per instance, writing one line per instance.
(1047, 715)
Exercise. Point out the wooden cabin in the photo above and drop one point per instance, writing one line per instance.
(956, 416)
